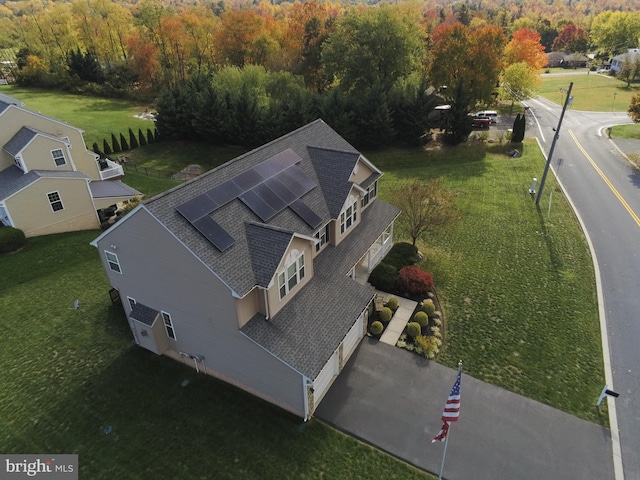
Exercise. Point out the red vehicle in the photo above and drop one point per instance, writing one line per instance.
(480, 122)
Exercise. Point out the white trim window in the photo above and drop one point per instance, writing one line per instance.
(55, 201)
(112, 261)
(370, 194)
(323, 237)
(132, 302)
(349, 216)
(58, 157)
(293, 273)
(168, 325)
(18, 161)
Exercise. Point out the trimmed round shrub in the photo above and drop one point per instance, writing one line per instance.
(376, 328)
(383, 277)
(421, 318)
(385, 314)
(392, 303)
(11, 239)
(414, 329)
(414, 281)
(428, 307)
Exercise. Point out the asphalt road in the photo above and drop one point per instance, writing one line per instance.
(605, 192)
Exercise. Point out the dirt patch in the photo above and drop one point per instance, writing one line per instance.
(189, 172)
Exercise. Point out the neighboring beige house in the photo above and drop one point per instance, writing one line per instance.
(49, 181)
(247, 273)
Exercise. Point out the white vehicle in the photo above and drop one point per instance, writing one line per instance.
(491, 114)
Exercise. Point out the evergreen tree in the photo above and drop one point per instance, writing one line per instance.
(373, 118)
(411, 106)
(336, 112)
(133, 141)
(458, 127)
(150, 137)
(142, 141)
(95, 148)
(115, 144)
(123, 143)
(517, 132)
(106, 148)
(86, 66)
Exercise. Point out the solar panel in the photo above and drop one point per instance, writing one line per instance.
(197, 207)
(306, 214)
(275, 184)
(277, 163)
(296, 180)
(247, 180)
(224, 193)
(257, 205)
(270, 197)
(213, 232)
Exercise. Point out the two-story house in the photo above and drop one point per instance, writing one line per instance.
(49, 181)
(247, 273)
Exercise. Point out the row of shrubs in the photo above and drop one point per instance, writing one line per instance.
(376, 327)
(11, 239)
(397, 273)
(424, 331)
(122, 145)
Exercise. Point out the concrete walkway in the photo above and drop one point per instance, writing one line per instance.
(400, 318)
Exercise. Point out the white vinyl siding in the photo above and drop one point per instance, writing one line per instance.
(112, 261)
(58, 157)
(55, 201)
(168, 325)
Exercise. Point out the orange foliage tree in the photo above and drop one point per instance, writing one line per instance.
(525, 47)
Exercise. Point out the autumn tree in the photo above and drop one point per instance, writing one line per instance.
(518, 83)
(634, 108)
(571, 39)
(525, 47)
(426, 205)
(459, 54)
(612, 32)
(630, 70)
(373, 46)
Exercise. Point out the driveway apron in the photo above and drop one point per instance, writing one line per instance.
(393, 399)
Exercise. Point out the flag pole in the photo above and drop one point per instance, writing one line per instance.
(444, 454)
(446, 440)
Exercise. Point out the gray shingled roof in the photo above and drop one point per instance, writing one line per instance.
(3, 106)
(334, 169)
(12, 179)
(111, 188)
(266, 247)
(143, 314)
(306, 332)
(20, 140)
(234, 265)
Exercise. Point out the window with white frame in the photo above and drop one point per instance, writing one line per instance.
(323, 237)
(132, 302)
(112, 261)
(348, 217)
(55, 201)
(58, 157)
(293, 273)
(370, 194)
(168, 325)
(18, 162)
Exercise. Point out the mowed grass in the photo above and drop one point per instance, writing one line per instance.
(631, 131)
(68, 376)
(593, 92)
(98, 117)
(517, 282)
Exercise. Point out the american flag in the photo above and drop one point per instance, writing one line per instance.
(451, 409)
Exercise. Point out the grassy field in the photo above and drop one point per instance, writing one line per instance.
(626, 131)
(98, 117)
(517, 282)
(69, 374)
(593, 92)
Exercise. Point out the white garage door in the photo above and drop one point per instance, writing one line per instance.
(352, 339)
(325, 378)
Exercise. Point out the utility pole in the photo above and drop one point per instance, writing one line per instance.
(553, 144)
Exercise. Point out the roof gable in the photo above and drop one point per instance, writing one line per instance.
(267, 245)
(12, 179)
(23, 137)
(333, 168)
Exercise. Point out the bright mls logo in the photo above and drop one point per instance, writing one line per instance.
(54, 467)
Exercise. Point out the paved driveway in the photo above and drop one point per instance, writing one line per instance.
(393, 399)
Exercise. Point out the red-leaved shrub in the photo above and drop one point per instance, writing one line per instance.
(414, 281)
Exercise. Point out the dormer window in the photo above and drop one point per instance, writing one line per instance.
(58, 157)
(323, 237)
(18, 162)
(349, 216)
(292, 274)
(370, 194)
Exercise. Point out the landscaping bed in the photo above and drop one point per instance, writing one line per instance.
(424, 333)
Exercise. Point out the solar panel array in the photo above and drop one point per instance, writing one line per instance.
(267, 189)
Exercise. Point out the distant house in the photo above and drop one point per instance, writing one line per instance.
(618, 62)
(49, 181)
(247, 272)
(566, 60)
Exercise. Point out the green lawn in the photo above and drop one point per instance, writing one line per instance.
(517, 283)
(631, 131)
(592, 92)
(68, 374)
(98, 117)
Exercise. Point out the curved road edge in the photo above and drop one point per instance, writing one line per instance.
(606, 356)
